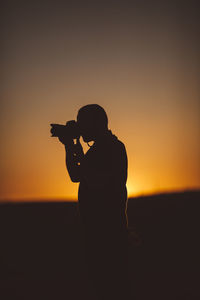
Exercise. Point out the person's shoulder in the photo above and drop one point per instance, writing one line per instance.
(121, 147)
(118, 151)
(120, 144)
(117, 143)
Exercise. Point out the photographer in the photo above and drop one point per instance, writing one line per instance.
(102, 197)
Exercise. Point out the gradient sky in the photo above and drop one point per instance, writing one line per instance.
(138, 59)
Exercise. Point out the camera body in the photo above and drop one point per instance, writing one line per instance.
(70, 130)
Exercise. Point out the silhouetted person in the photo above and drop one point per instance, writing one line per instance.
(102, 196)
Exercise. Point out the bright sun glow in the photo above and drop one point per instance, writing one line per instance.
(132, 189)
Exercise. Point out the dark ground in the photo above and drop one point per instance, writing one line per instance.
(41, 250)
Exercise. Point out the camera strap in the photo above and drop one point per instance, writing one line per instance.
(89, 145)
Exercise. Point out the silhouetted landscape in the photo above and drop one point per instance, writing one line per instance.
(41, 249)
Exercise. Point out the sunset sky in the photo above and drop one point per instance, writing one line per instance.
(137, 59)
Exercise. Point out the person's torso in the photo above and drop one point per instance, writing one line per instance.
(107, 201)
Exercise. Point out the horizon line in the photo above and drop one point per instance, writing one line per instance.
(63, 199)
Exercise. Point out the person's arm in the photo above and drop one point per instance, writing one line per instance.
(73, 161)
(74, 155)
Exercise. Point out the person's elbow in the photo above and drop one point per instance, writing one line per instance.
(74, 174)
(74, 179)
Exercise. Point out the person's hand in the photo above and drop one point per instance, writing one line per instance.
(66, 141)
(78, 149)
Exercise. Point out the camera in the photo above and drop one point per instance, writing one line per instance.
(70, 130)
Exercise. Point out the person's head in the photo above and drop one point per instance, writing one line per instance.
(93, 121)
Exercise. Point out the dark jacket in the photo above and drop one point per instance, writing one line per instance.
(102, 191)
